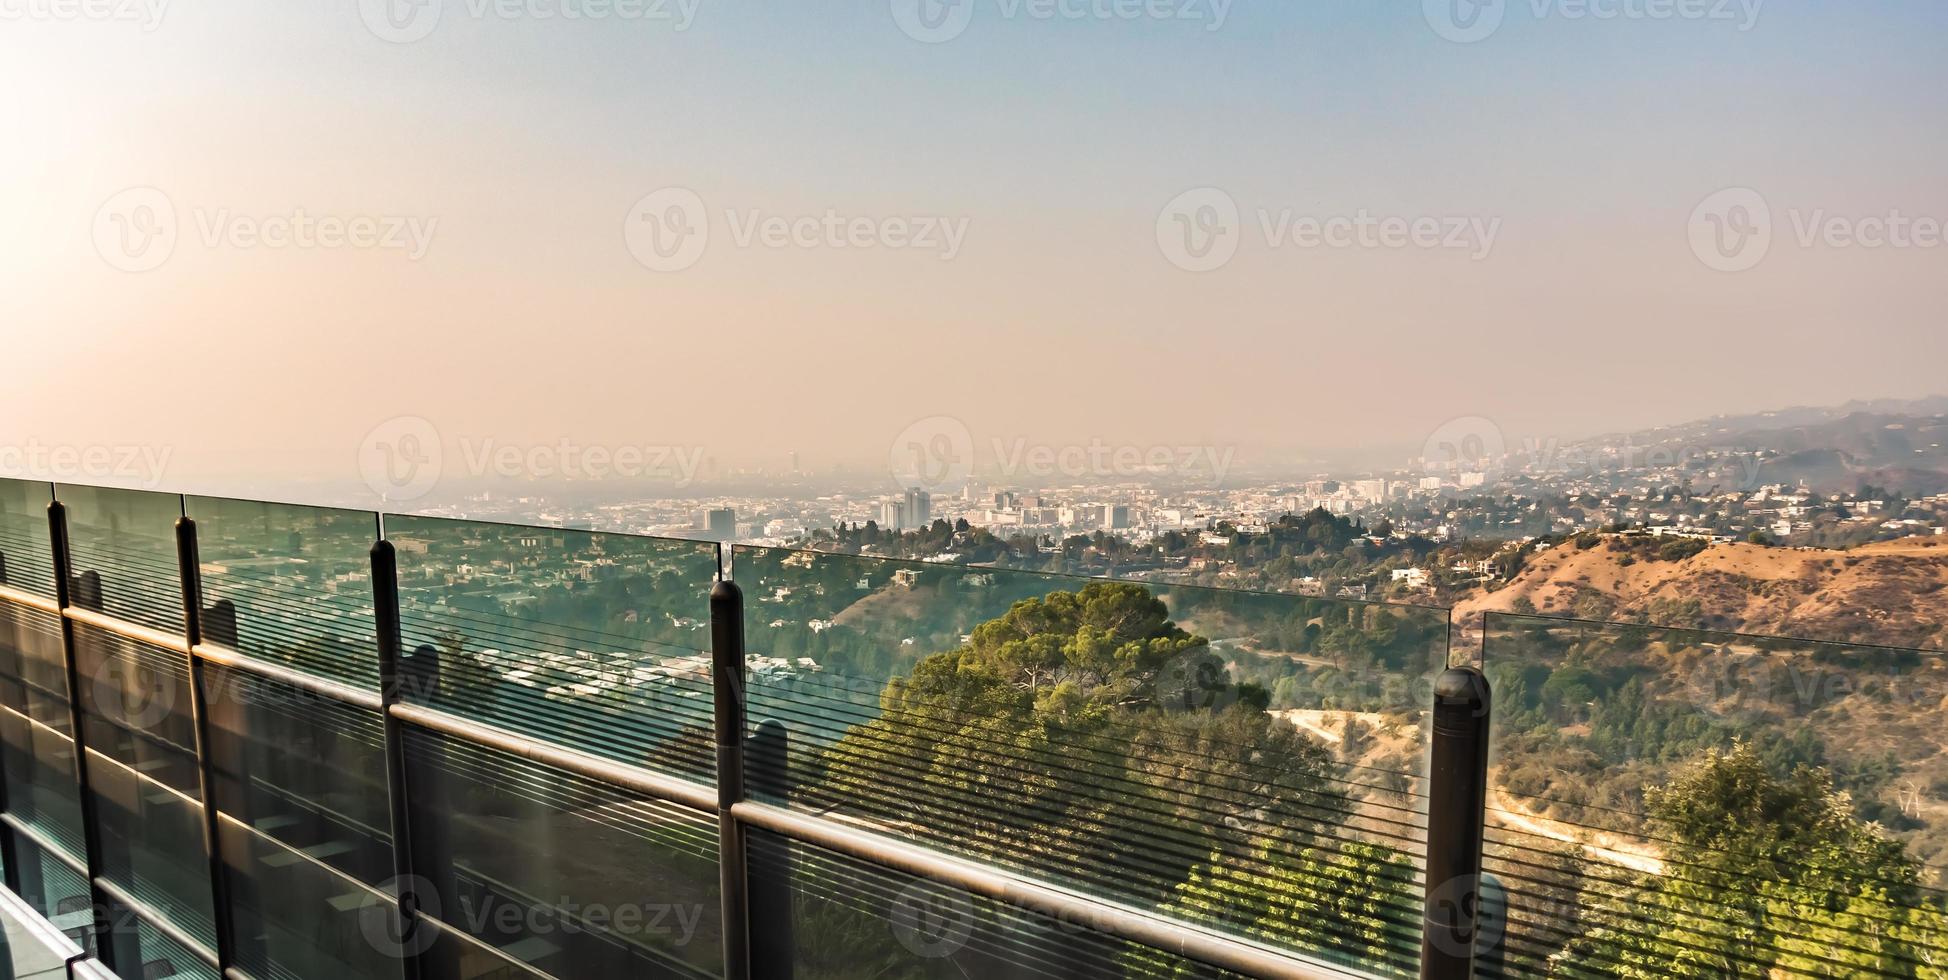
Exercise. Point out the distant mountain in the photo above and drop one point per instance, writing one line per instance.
(1897, 444)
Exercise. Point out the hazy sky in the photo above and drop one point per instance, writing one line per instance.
(473, 250)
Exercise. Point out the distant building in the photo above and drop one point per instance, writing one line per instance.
(720, 524)
(1414, 577)
(1116, 517)
(919, 508)
(892, 515)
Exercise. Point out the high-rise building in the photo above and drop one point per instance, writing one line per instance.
(892, 515)
(1116, 517)
(720, 523)
(919, 508)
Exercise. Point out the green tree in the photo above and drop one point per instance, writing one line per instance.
(1765, 875)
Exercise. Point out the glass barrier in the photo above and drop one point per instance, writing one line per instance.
(290, 584)
(56, 888)
(302, 770)
(296, 915)
(1679, 802)
(1246, 761)
(158, 954)
(33, 949)
(142, 773)
(589, 640)
(36, 744)
(852, 919)
(122, 548)
(26, 558)
(572, 877)
(36, 948)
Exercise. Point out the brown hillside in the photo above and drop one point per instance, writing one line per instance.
(1894, 592)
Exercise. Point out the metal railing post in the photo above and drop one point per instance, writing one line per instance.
(385, 608)
(9, 853)
(1456, 814)
(769, 761)
(64, 589)
(189, 564)
(727, 684)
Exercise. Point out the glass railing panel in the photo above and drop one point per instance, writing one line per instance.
(1667, 801)
(298, 581)
(33, 669)
(1247, 762)
(56, 890)
(34, 949)
(302, 770)
(589, 640)
(142, 773)
(850, 918)
(26, 559)
(569, 876)
(297, 916)
(128, 539)
(34, 727)
(156, 954)
(456, 956)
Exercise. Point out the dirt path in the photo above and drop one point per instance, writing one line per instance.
(1597, 844)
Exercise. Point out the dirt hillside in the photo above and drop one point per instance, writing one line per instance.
(1894, 592)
